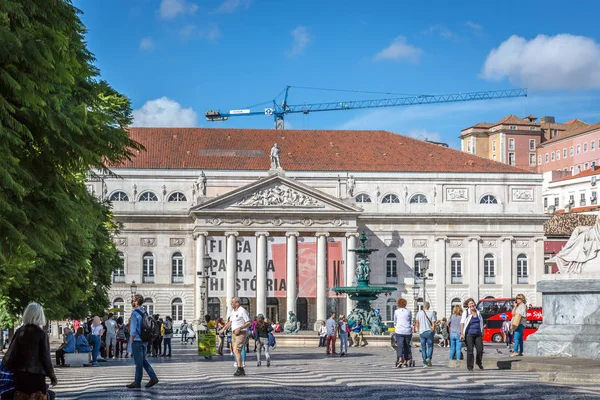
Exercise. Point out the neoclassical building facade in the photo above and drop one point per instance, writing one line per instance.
(279, 238)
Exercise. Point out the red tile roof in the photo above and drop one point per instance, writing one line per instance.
(583, 174)
(514, 120)
(301, 150)
(580, 128)
(575, 120)
(576, 210)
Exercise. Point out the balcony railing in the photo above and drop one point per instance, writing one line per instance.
(118, 278)
(177, 279)
(456, 280)
(489, 280)
(522, 280)
(148, 279)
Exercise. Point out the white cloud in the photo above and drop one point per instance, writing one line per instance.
(165, 113)
(440, 30)
(170, 9)
(400, 50)
(424, 134)
(231, 6)
(476, 27)
(146, 44)
(210, 32)
(547, 62)
(301, 39)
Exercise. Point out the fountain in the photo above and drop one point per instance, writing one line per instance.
(362, 293)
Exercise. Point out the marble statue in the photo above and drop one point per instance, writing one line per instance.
(292, 325)
(350, 186)
(580, 254)
(275, 162)
(201, 184)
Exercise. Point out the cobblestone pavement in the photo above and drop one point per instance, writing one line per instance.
(306, 373)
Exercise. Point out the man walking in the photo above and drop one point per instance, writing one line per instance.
(425, 325)
(331, 326)
(138, 347)
(239, 321)
(184, 331)
(111, 336)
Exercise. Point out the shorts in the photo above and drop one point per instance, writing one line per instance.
(238, 341)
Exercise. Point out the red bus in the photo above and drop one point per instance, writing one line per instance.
(493, 310)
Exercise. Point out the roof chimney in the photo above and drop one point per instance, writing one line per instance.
(547, 120)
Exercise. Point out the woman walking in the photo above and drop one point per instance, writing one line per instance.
(343, 334)
(219, 326)
(262, 330)
(28, 356)
(471, 327)
(97, 331)
(517, 324)
(454, 324)
(403, 333)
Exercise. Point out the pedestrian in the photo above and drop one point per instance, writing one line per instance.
(402, 333)
(343, 332)
(471, 328)
(68, 346)
(331, 330)
(517, 324)
(322, 334)
(81, 343)
(28, 356)
(443, 327)
(425, 325)
(184, 331)
(219, 326)
(121, 338)
(262, 330)
(167, 336)
(508, 336)
(252, 333)
(156, 345)
(111, 335)
(96, 335)
(455, 332)
(357, 334)
(239, 321)
(138, 347)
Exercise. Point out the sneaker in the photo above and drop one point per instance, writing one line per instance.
(428, 362)
(94, 364)
(235, 364)
(424, 365)
(258, 364)
(480, 366)
(132, 385)
(244, 365)
(151, 383)
(397, 364)
(268, 362)
(240, 372)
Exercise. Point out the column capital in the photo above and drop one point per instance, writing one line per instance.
(474, 238)
(318, 234)
(505, 238)
(352, 234)
(232, 234)
(257, 234)
(539, 239)
(196, 235)
(441, 238)
(290, 234)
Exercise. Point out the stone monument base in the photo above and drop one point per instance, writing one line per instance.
(571, 312)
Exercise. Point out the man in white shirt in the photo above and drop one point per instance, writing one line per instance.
(111, 335)
(425, 324)
(239, 321)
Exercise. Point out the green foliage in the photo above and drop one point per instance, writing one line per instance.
(57, 121)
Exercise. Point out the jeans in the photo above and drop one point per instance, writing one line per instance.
(477, 341)
(343, 342)
(426, 346)
(95, 347)
(138, 349)
(509, 338)
(111, 343)
(330, 343)
(184, 336)
(167, 343)
(455, 346)
(518, 339)
(322, 340)
(262, 343)
(403, 344)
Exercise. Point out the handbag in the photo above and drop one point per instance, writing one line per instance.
(516, 320)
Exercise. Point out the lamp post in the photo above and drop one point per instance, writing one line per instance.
(206, 264)
(133, 288)
(416, 290)
(423, 267)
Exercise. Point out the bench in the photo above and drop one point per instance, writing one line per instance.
(78, 359)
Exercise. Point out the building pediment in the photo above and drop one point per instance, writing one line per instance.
(277, 194)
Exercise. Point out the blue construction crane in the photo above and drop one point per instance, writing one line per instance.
(278, 112)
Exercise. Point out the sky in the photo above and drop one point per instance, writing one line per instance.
(177, 59)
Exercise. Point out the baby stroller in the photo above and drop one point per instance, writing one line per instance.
(409, 358)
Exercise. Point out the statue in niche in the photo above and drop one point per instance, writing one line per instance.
(292, 325)
(201, 183)
(350, 186)
(580, 254)
(275, 162)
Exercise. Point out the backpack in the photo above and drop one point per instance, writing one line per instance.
(149, 329)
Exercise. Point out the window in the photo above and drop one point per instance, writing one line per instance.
(532, 128)
(539, 160)
(585, 147)
(119, 196)
(511, 158)
(390, 307)
(119, 303)
(494, 157)
(511, 144)
(532, 159)
(148, 268)
(469, 145)
(592, 146)
(177, 309)
(419, 199)
(585, 166)
(522, 269)
(390, 198)
(456, 268)
(557, 155)
(556, 202)
(572, 199)
(565, 152)
(545, 202)
(148, 196)
(177, 268)
(177, 196)
(571, 151)
(493, 145)
(489, 269)
(512, 127)
(149, 305)
(531, 144)
(546, 158)
(578, 149)
(594, 198)
(582, 199)
(417, 265)
(391, 267)
(552, 156)
(363, 198)
(119, 273)
(488, 199)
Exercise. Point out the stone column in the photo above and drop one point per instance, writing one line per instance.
(321, 277)
(199, 305)
(506, 265)
(231, 266)
(537, 266)
(473, 269)
(291, 268)
(350, 266)
(261, 273)
(441, 269)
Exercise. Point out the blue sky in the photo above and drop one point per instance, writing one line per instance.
(176, 59)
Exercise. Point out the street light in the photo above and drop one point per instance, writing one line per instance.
(416, 290)
(206, 264)
(423, 267)
(133, 288)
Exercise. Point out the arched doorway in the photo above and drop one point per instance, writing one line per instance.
(214, 308)
(273, 309)
(302, 311)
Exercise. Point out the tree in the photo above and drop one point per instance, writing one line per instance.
(58, 121)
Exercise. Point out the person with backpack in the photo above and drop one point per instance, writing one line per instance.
(121, 338)
(143, 330)
(167, 336)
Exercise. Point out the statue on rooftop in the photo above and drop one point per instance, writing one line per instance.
(275, 162)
